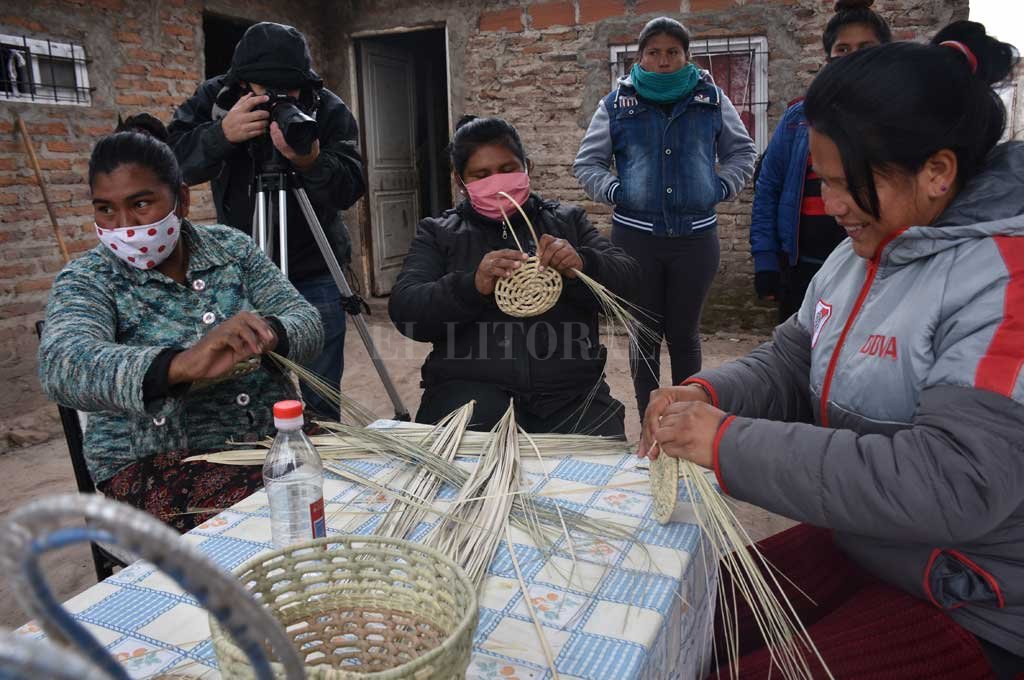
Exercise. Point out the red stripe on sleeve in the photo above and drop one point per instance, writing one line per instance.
(999, 369)
(722, 427)
(707, 388)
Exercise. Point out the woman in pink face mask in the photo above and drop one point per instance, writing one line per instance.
(145, 330)
(552, 365)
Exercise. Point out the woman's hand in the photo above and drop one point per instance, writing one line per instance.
(240, 337)
(497, 264)
(559, 254)
(661, 400)
(687, 430)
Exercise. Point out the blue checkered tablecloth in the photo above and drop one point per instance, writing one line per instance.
(637, 609)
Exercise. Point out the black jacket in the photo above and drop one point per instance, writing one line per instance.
(435, 300)
(334, 183)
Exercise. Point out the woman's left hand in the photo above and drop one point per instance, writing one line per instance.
(687, 430)
(559, 254)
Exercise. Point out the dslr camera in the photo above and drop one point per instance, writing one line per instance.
(299, 129)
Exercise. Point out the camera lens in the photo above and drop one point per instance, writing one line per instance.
(299, 130)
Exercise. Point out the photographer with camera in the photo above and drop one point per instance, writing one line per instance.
(271, 103)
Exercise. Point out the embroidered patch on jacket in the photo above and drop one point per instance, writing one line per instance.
(822, 313)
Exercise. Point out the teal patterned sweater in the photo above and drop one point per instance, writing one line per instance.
(107, 321)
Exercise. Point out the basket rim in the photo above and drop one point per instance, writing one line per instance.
(464, 625)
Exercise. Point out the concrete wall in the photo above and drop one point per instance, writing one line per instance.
(542, 65)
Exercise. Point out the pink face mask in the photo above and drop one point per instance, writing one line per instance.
(485, 196)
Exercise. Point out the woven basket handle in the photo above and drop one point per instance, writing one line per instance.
(529, 224)
(39, 527)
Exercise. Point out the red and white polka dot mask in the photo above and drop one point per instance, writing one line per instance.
(144, 246)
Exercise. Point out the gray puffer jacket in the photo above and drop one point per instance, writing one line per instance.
(891, 408)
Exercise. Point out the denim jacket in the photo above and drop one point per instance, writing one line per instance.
(106, 323)
(667, 182)
(775, 218)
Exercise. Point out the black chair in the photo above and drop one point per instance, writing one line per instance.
(103, 559)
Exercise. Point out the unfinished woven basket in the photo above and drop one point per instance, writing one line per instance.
(529, 291)
(664, 486)
(362, 607)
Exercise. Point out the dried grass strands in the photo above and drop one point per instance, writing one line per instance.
(495, 478)
(545, 646)
(341, 444)
(356, 412)
(403, 519)
(753, 578)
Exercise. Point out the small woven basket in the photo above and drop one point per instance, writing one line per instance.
(529, 291)
(362, 607)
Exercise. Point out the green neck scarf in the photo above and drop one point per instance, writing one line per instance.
(664, 88)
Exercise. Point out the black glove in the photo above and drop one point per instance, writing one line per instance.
(766, 284)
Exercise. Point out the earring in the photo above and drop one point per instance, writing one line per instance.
(944, 188)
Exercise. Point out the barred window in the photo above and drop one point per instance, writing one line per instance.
(43, 71)
(738, 65)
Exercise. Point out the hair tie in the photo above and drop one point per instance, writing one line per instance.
(972, 60)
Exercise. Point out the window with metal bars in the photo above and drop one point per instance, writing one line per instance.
(738, 65)
(43, 71)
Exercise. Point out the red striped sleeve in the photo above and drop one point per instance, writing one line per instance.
(999, 369)
(708, 388)
(722, 427)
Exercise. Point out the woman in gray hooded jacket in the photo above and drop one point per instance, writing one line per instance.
(889, 412)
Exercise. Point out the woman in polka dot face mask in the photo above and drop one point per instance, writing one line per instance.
(143, 246)
(146, 331)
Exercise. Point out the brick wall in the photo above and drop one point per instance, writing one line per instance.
(544, 65)
(144, 56)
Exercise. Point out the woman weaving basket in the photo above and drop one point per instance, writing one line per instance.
(888, 413)
(550, 364)
(146, 330)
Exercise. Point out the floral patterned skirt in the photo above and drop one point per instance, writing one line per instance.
(170, 490)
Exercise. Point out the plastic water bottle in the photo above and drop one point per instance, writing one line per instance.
(294, 479)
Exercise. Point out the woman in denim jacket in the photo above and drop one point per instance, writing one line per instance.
(680, 148)
(144, 332)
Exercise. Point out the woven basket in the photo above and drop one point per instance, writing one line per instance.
(529, 291)
(362, 607)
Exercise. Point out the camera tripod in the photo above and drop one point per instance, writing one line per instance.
(273, 181)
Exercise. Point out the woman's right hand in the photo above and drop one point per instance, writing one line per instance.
(661, 399)
(497, 264)
(240, 337)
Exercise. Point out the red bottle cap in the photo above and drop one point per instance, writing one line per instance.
(288, 410)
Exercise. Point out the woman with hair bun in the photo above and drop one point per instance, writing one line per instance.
(888, 413)
(790, 234)
(144, 333)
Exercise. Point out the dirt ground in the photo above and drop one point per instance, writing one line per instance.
(45, 469)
